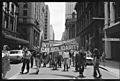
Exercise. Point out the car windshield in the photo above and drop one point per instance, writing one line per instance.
(14, 52)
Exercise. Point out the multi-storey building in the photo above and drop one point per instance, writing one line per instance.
(92, 27)
(47, 23)
(69, 9)
(70, 24)
(112, 30)
(51, 33)
(9, 26)
(90, 31)
(31, 22)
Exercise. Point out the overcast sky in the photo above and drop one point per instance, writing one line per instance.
(57, 17)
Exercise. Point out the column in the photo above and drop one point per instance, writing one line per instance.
(107, 43)
(112, 14)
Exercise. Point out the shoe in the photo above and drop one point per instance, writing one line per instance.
(27, 72)
(37, 72)
(95, 75)
(21, 72)
(82, 75)
(100, 76)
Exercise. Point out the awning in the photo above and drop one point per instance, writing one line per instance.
(15, 38)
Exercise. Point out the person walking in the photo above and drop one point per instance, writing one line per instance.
(73, 58)
(76, 61)
(44, 59)
(59, 57)
(96, 61)
(5, 61)
(32, 58)
(38, 61)
(25, 60)
(81, 61)
(66, 60)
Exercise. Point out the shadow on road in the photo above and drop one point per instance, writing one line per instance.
(70, 76)
(103, 68)
(15, 62)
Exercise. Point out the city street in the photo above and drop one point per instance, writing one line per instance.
(48, 73)
(74, 33)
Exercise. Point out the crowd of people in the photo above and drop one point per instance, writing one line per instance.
(55, 60)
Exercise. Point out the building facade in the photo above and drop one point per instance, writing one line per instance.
(90, 31)
(31, 22)
(9, 25)
(97, 21)
(112, 30)
(69, 9)
(51, 33)
(47, 23)
(70, 22)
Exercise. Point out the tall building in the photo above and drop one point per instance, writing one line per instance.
(69, 9)
(9, 25)
(70, 24)
(31, 22)
(90, 31)
(47, 23)
(51, 33)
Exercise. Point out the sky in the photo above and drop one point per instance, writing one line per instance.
(57, 17)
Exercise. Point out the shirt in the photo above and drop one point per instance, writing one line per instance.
(27, 55)
(66, 55)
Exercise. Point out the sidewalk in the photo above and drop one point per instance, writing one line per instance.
(112, 66)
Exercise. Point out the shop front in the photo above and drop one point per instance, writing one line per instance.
(113, 33)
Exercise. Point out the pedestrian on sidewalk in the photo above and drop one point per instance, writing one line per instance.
(5, 61)
(81, 61)
(25, 60)
(96, 62)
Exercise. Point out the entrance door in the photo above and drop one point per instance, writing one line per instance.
(115, 50)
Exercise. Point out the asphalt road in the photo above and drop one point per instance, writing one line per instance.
(48, 73)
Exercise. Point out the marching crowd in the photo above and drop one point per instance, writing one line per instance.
(55, 60)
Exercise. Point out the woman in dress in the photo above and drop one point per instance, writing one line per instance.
(5, 61)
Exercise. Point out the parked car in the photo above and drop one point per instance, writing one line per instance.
(15, 55)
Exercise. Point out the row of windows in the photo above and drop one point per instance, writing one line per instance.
(85, 14)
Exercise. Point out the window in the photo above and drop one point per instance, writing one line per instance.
(24, 12)
(11, 21)
(25, 5)
(117, 11)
